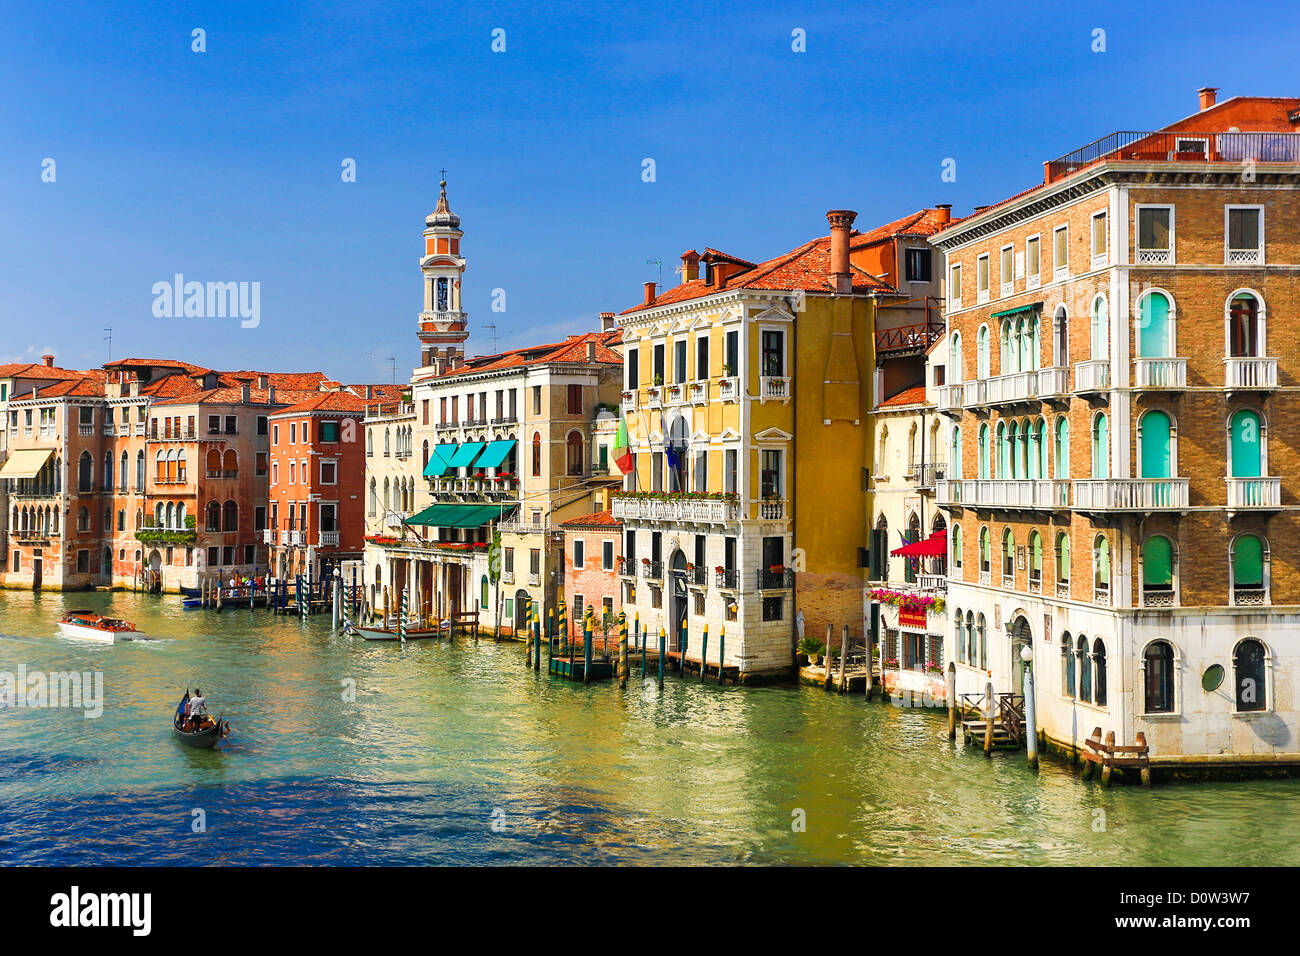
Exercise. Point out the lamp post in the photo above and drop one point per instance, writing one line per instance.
(1031, 723)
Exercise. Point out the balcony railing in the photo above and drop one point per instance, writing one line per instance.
(1063, 589)
(1008, 581)
(1015, 387)
(534, 578)
(727, 579)
(770, 580)
(652, 570)
(329, 539)
(949, 398)
(295, 537)
(986, 577)
(698, 392)
(772, 509)
(675, 509)
(1035, 585)
(284, 537)
(505, 420)
(1249, 597)
(1182, 147)
(1160, 373)
(268, 535)
(697, 576)
(1158, 597)
(1254, 374)
(1101, 595)
(1131, 494)
(1036, 493)
(908, 338)
(932, 582)
(924, 474)
(626, 567)
(1092, 376)
(1254, 492)
(628, 400)
(773, 387)
(1053, 382)
(729, 388)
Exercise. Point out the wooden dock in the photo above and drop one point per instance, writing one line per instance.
(1113, 757)
(1004, 729)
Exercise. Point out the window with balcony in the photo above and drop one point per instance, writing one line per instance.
(954, 462)
(1157, 572)
(1158, 678)
(732, 365)
(1062, 565)
(659, 369)
(1250, 675)
(986, 551)
(1246, 457)
(982, 361)
(1245, 326)
(1155, 235)
(632, 369)
(1244, 235)
(773, 352)
(1101, 569)
(573, 445)
(1248, 567)
(1155, 326)
(701, 357)
(1006, 269)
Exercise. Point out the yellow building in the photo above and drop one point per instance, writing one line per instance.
(747, 393)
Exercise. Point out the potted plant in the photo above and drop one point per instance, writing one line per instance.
(813, 648)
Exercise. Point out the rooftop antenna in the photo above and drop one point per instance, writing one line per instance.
(660, 263)
(393, 359)
(494, 337)
(109, 336)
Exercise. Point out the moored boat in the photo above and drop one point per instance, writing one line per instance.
(92, 626)
(392, 633)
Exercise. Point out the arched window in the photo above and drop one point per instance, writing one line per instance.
(1101, 567)
(954, 466)
(1157, 571)
(169, 521)
(1004, 453)
(83, 519)
(1248, 568)
(374, 496)
(1250, 675)
(388, 443)
(213, 517)
(1100, 329)
(85, 473)
(985, 450)
(958, 638)
(388, 496)
(1158, 677)
(986, 551)
(1008, 554)
(180, 515)
(1085, 669)
(1062, 448)
(124, 473)
(139, 471)
(1035, 561)
(483, 592)
(1246, 437)
(1061, 337)
(573, 454)
(972, 652)
(230, 517)
(1155, 438)
(370, 443)
(537, 454)
(955, 360)
(1099, 672)
(424, 455)
(1067, 665)
(230, 463)
(108, 471)
(1063, 561)
(981, 633)
(1100, 446)
(982, 356)
(955, 538)
(1245, 326)
(1155, 328)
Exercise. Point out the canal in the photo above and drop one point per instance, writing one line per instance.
(355, 753)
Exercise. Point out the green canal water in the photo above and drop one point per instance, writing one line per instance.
(455, 753)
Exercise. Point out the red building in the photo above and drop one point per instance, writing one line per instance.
(317, 482)
(592, 549)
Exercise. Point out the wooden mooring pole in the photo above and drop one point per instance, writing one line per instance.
(1031, 720)
(830, 637)
(722, 652)
(622, 650)
(951, 681)
(704, 653)
(844, 658)
(989, 707)
(663, 644)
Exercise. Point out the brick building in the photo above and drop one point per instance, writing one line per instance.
(592, 545)
(1121, 488)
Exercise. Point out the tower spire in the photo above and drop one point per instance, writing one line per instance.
(444, 325)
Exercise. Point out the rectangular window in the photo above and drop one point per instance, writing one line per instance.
(575, 399)
(293, 433)
(259, 517)
(329, 431)
(214, 424)
(770, 477)
(214, 557)
(679, 360)
(1060, 250)
(327, 516)
(230, 426)
(1099, 243)
(442, 410)
(733, 353)
(954, 287)
(424, 411)
(659, 364)
(632, 368)
(657, 471)
(577, 612)
(578, 555)
(259, 466)
(773, 608)
(455, 409)
(1006, 269)
(275, 434)
(773, 352)
(607, 555)
(917, 265)
(508, 560)
(982, 278)
(1155, 235)
(629, 547)
(293, 471)
(537, 400)
(1033, 262)
(535, 561)
(1245, 235)
(275, 472)
(701, 358)
(729, 458)
(329, 472)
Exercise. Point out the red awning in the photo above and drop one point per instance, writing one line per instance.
(932, 547)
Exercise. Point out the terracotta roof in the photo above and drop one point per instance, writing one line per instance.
(36, 370)
(925, 222)
(233, 395)
(132, 363)
(379, 392)
(301, 380)
(599, 519)
(572, 349)
(85, 386)
(327, 402)
(806, 268)
(908, 396)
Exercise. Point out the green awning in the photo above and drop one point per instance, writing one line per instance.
(465, 454)
(495, 454)
(445, 515)
(438, 459)
(1029, 307)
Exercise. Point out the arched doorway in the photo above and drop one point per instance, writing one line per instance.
(1021, 637)
(521, 610)
(677, 596)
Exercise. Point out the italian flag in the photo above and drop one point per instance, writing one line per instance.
(622, 450)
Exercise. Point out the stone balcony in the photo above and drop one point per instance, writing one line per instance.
(1092, 376)
(329, 539)
(1131, 494)
(1254, 494)
(1160, 374)
(1250, 374)
(1029, 493)
(707, 510)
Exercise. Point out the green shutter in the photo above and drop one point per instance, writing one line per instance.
(1246, 458)
(1153, 341)
(1157, 461)
(1157, 562)
(1248, 562)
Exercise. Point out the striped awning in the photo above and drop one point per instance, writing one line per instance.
(26, 462)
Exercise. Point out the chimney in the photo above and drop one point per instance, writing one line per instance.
(1206, 94)
(439, 364)
(607, 321)
(690, 265)
(48, 360)
(841, 221)
(261, 380)
(980, 209)
(270, 395)
(649, 293)
(243, 393)
(945, 212)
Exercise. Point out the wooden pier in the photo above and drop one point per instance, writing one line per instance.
(1003, 729)
(1111, 757)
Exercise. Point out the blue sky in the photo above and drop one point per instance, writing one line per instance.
(225, 165)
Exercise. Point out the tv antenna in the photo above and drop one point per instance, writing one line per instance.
(393, 360)
(656, 261)
(109, 336)
(494, 337)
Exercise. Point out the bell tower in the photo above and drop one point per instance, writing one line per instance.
(443, 323)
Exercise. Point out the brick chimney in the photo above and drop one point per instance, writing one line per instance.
(48, 360)
(607, 321)
(945, 212)
(1207, 97)
(690, 265)
(649, 293)
(841, 221)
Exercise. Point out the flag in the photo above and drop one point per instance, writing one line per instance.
(622, 449)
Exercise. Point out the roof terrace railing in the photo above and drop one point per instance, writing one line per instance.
(1185, 147)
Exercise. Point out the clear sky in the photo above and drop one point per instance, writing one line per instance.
(226, 165)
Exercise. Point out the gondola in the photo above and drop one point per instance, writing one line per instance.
(206, 736)
(391, 633)
(191, 592)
